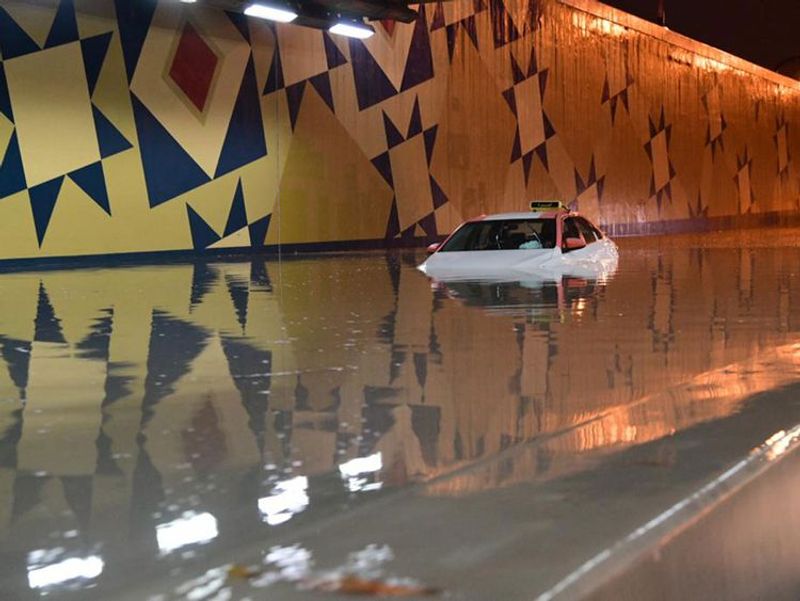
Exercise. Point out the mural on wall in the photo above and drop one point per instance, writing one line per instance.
(158, 126)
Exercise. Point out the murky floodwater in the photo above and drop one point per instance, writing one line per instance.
(156, 420)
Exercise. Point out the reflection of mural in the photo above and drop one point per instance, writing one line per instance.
(129, 396)
(189, 128)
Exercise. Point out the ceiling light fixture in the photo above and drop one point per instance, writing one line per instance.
(352, 29)
(271, 13)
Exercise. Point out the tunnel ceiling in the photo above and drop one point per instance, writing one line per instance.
(319, 13)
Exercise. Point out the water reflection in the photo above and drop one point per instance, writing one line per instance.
(258, 395)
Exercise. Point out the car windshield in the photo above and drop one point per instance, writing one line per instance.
(506, 234)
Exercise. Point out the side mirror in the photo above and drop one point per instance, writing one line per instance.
(433, 247)
(574, 243)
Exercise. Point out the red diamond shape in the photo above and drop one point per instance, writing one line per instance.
(194, 66)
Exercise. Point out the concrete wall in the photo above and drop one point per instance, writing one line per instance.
(132, 127)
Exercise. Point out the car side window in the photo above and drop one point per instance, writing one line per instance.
(587, 230)
(570, 229)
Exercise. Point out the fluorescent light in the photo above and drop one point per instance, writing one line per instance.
(352, 29)
(188, 1)
(272, 13)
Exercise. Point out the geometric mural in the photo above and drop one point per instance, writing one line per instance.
(175, 127)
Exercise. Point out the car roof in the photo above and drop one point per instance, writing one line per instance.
(520, 215)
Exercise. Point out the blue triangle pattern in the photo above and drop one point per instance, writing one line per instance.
(109, 138)
(244, 142)
(92, 180)
(168, 170)
(372, 84)
(5, 99)
(237, 217)
(275, 77)
(322, 84)
(415, 125)
(14, 41)
(258, 231)
(239, 21)
(43, 200)
(294, 97)
(393, 135)
(94, 51)
(203, 235)
(419, 64)
(133, 20)
(333, 55)
(12, 173)
(65, 26)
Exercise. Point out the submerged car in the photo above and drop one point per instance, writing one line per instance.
(549, 241)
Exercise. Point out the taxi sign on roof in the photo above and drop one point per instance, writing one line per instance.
(547, 205)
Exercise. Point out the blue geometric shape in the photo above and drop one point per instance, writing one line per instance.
(419, 64)
(43, 200)
(244, 142)
(65, 26)
(517, 73)
(92, 180)
(5, 99)
(14, 41)
(438, 195)
(258, 231)
(237, 217)
(109, 138)
(94, 51)
(393, 135)
(393, 224)
(322, 84)
(511, 99)
(333, 55)
(240, 21)
(503, 27)
(133, 21)
(203, 235)
(415, 125)
(469, 26)
(12, 173)
(452, 34)
(294, 98)
(275, 80)
(383, 164)
(47, 327)
(372, 84)
(430, 140)
(168, 170)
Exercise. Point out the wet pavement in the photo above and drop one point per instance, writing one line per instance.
(298, 429)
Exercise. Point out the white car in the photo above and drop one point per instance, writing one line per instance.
(548, 242)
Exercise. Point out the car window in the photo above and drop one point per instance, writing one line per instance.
(506, 234)
(586, 229)
(570, 228)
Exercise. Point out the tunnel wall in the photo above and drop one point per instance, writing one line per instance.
(138, 127)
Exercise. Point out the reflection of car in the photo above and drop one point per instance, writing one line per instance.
(548, 241)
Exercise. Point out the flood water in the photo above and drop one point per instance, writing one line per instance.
(156, 421)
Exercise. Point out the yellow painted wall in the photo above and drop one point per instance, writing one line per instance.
(125, 129)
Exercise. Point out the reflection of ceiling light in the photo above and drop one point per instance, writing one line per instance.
(361, 465)
(352, 29)
(354, 472)
(271, 13)
(188, 530)
(73, 568)
(288, 498)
